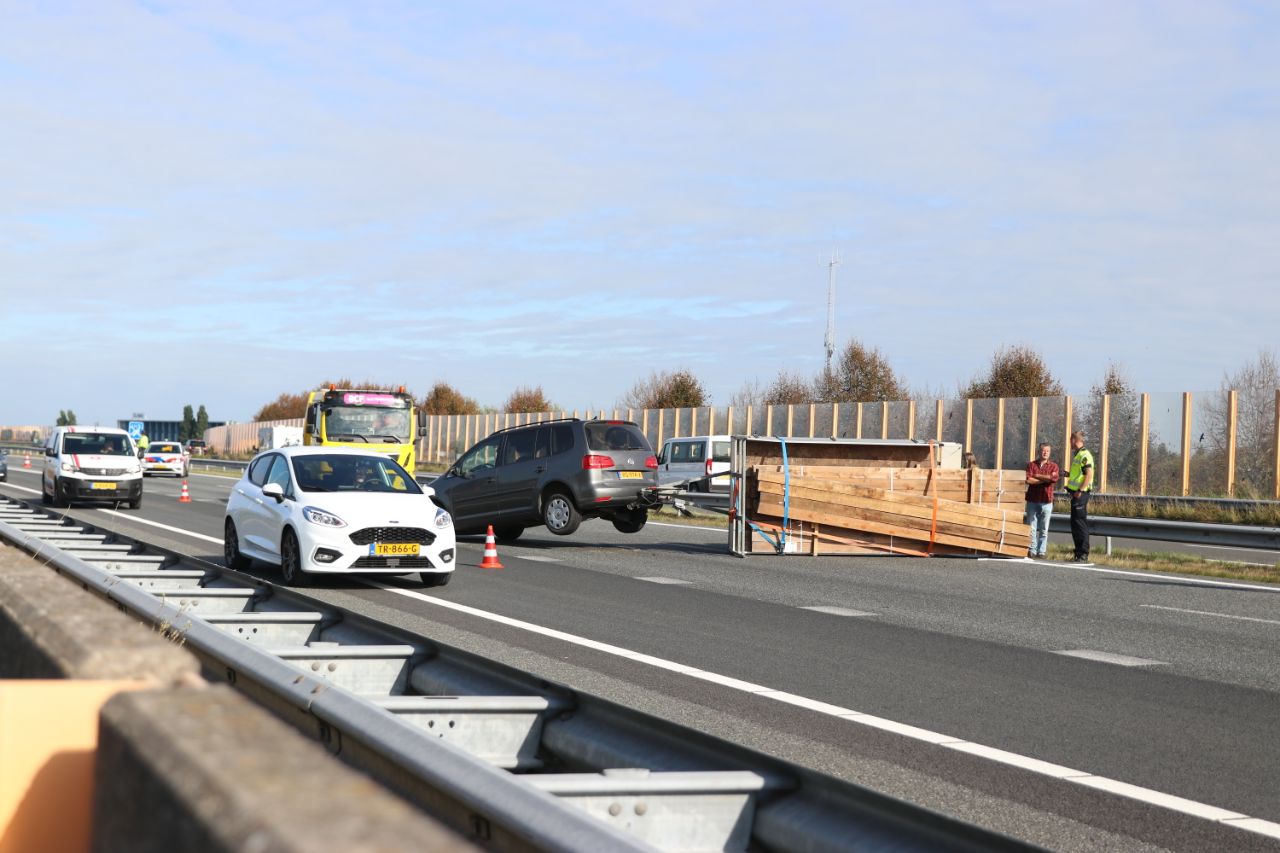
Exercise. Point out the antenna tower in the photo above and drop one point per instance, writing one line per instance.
(830, 341)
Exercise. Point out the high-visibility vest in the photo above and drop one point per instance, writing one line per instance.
(1083, 459)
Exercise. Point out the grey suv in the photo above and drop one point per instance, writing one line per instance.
(555, 473)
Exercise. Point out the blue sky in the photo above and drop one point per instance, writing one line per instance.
(215, 202)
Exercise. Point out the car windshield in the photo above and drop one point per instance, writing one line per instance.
(89, 444)
(367, 423)
(164, 448)
(615, 435)
(347, 473)
(195, 442)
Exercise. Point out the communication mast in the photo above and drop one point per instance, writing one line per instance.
(830, 341)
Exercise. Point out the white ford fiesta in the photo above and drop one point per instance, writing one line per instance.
(333, 510)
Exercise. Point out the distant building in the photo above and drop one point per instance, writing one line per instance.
(163, 430)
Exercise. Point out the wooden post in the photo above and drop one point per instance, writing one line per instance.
(938, 407)
(858, 434)
(693, 420)
(1186, 443)
(1104, 443)
(884, 418)
(711, 420)
(1144, 431)
(791, 431)
(748, 429)
(728, 420)
(813, 419)
(1033, 450)
(1276, 450)
(911, 419)
(1233, 401)
(644, 428)
(661, 415)
(631, 416)
(1067, 453)
(1000, 434)
(768, 419)
(968, 426)
(835, 419)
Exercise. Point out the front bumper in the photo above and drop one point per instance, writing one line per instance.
(438, 556)
(175, 468)
(102, 489)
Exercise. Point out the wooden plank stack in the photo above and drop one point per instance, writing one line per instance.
(886, 505)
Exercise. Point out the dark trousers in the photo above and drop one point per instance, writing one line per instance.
(1080, 523)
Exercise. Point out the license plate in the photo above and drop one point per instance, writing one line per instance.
(393, 549)
(630, 475)
(111, 486)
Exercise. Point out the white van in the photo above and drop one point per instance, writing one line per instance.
(691, 458)
(91, 464)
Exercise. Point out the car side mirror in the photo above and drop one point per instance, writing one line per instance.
(273, 490)
(49, 451)
(422, 432)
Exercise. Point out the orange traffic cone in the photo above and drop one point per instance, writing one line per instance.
(26, 460)
(184, 498)
(490, 560)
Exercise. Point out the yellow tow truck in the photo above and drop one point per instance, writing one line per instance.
(380, 421)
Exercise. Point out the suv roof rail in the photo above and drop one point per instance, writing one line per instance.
(535, 423)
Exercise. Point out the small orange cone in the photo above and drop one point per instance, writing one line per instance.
(490, 560)
(184, 498)
(26, 460)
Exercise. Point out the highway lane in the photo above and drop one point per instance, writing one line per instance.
(959, 647)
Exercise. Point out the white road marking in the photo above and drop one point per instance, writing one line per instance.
(538, 559)
(838, 611)
(1108, 657)
(676, 581)
(1122, 789)
(688, 527)
(1148, 575)
(1208, 613)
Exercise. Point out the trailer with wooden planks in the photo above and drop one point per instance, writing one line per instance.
(870, 496)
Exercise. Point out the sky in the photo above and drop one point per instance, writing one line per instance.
(216, 202)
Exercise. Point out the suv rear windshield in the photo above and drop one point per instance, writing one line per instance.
(720, 451)
(195, 442)
(164, 448)
(615, 436)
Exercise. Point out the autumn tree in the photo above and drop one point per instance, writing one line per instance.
(1015, 371)
(860, 374)
(750, 394)
(66, 418)
(1255, 384)
(672, 389)
(1123, 428)
(202, 422)
(788, 389)
(290, 405)
(187, 427)
(527, 399)
(444, 399)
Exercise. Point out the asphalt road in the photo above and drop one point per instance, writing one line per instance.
(1171, 683)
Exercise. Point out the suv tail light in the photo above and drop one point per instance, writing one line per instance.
(593, 460)
(651, 463)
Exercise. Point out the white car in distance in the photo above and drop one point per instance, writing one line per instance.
(334, 510)
(165, 457)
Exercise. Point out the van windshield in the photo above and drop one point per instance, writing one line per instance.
(96, 444)
(615, 435)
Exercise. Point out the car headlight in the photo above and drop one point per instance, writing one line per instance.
(443, 519)
(316, 515)
(67, 467)
(133, 468)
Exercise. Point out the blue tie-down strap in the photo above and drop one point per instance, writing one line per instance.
(780, 543)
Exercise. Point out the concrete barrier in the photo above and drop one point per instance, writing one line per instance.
(142, 754)
(206, 770)
(51, 628)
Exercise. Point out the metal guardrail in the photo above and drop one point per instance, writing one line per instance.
(440, 724)
(1182, 532)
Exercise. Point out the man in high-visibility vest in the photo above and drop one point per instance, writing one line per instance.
(1079, 485)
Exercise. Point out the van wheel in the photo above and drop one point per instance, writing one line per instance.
(291, 560)
(559, 514)
(60, 498)
(136, 503)
(630, 521)
(507, 532)
(44, 496)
